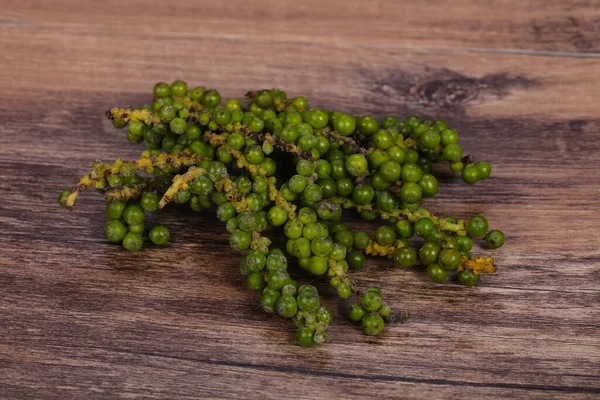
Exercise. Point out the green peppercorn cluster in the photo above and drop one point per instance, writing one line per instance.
(273, 168)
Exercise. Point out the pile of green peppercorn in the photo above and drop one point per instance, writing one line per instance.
(276, 165)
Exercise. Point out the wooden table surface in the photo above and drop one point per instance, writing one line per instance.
(82, 319)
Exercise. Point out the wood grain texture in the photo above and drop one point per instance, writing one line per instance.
(82, 319)
(529, 25)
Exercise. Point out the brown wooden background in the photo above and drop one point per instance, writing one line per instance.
(519, 79)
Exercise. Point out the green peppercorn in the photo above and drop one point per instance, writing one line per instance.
(367, 125)
(457, 166)
(300, 102)
(355, 259)
(356, 164)
(305, 337)
(255, 202)
(452, 152)
(357, 312)
(256, 125)
(162, 90)
(411, 173)
(372, 300)
(328, 211)
(386, 201)
(449, 259)
(494, 239)
(256, 281)
(449, 137)
(344, 238)
(323, 168)
(115, 181)
(222, 116)
(254, 154)
(288, 290)
(236, 141)
(178, 126)
(465, 243)
(317, 265)
(404, 228)
(468, 278)
(277, 279)
(405, 257)
(321, 245)
(429, 185)
(138, 228)
(135, 131)
(132, 241)
(115, 231)
(276, 260)
(297, 183)
(324, 315)
(411, 193)
(383, 139)
(477, 226)
(312, 230)
(286, 306)
(255, 261)
(435, 237)
(385, 235)
(243, 185)
(160, 235)
(307, 142)
(485, 169)
(390, 171)
(149, 201)
(338, 170)
(114, 209)
(307, 215)
(317, 118)
(216, 170)
(470, 174)
(133, 214)
(293, 228)
(167, 113)
(361, 240)
(269, 299)
(201, 186)
(344, 290)
(436, 273)
(277, 216)
(183, 196)
(344, 124)
(240, 240)
(328, 187)
(430, 139)
(260, 184)
(377, 158)
(233, 105)
(178, 88)
(385, 311)
(301, 248)
(424, 227)
(196, 93)
(363, 194)
(372, 324)
(345, 186)
(428, 253)
(211, 98)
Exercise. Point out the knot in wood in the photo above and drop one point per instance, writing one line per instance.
(446, 93)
